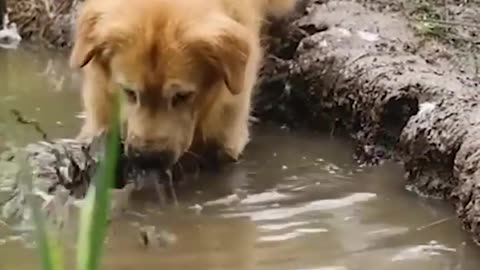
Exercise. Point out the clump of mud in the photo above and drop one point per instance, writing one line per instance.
(59, 173)
(332, 78)
(65, 168)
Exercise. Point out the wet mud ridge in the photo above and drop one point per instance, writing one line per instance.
(361, 69)
(346, 66)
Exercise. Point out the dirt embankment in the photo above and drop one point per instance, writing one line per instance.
(401, 88)
(46, 22)
(399, 94)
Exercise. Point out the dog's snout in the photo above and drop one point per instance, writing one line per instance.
(152, 159)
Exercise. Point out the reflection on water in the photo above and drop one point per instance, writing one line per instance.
(297, 201)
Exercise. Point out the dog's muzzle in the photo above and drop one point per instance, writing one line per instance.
(152, 159)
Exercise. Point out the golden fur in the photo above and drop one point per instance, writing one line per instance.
(187, 67)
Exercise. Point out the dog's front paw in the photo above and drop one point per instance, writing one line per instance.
(236, 143)
(226, 155)
(214, 157)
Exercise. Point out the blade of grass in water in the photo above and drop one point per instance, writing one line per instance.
(94, 215)
(50, 254)
(48, 247)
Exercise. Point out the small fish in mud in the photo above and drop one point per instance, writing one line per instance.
(151, 238)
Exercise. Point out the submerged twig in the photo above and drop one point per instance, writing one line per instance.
(171, 186)
(160, 191)
(435, 223)
(78, 174)
(450, 23)
(22, 120)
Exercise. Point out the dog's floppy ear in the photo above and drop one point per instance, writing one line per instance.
(85, 43)
(95, 37)
(225, 45)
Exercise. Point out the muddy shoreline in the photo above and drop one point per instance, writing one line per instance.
(346, 66)
(371, 78)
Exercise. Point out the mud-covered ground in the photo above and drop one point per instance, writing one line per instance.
(401, 91)
(399, 76)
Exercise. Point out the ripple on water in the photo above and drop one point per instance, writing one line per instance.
(422, 252)
(282, 226)
(264, 197)
(291, 235)
(315, 206)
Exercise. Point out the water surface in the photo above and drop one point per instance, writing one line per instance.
(298, 200)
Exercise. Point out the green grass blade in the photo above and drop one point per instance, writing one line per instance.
(86, 220)
(50, 254)
(94, 216)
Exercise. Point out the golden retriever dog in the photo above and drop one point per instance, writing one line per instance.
(187, 69)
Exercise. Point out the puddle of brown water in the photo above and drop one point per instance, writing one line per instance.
(40, 86)
(298, 201)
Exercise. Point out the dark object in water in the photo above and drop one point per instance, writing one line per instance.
(72, 164)
(3, 12)
(151, 159)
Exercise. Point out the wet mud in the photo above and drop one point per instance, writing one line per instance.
(355, 69)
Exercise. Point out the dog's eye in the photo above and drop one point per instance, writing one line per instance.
(181, 98)
(131, 95)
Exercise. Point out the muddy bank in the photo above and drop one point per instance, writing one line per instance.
(357, 69)
(46, 22)
(363, 70)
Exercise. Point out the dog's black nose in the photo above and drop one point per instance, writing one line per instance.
(152, 159)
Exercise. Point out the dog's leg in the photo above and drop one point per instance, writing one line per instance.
(225, 132)
(235, 134)
(97, 102)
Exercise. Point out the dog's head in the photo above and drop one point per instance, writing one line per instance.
(169, 58)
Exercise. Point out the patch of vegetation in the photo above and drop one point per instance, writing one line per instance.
(94, 214)
(428, 16)
(454, 23)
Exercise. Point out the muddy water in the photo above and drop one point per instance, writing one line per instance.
(298, 201)
(38, 85)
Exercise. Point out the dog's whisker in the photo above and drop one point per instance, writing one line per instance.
(195, 155)
(172, 188)
(192, 153)
(196, 173)
(182, 171)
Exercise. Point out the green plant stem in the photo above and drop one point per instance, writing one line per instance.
(95, 216)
